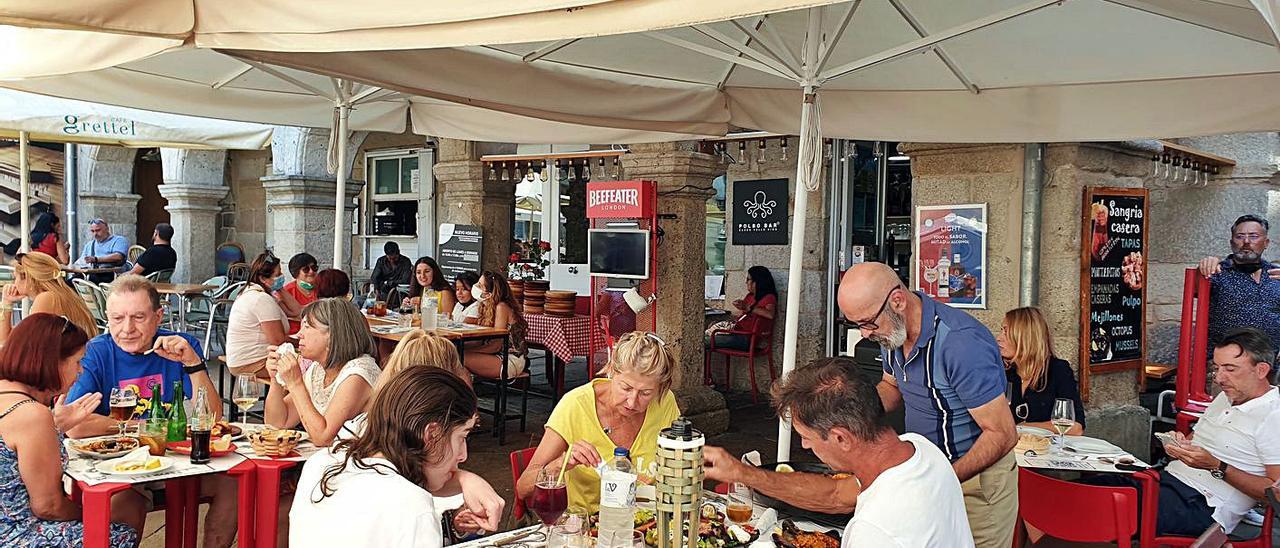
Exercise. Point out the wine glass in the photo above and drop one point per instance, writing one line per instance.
(123, 402)
(550, 496)
(1063, 418)
(246, 394)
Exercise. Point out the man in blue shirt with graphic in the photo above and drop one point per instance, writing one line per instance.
(121, 359)
(943, 368)
(104, 250)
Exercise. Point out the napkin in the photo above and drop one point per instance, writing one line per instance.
(284, 349)
(766, 521)
(752, 458)
(138, 456)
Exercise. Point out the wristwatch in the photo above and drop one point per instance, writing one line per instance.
(1220, 472)
(195, 368)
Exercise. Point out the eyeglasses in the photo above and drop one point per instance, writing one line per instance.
(1251, 237)
(655, 338)
(97, 221)
(871, 325)
(66, 325)
(1021, 411)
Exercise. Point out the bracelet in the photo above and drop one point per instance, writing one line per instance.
(193, 369)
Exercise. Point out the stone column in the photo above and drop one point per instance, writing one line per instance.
(193, 185)
(106, 190)
(466, 195)
(300, 196)
(684, 184)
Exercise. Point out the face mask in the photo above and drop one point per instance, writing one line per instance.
(278, 285)
(305, 286)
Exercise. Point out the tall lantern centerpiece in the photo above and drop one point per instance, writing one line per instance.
(679, 484)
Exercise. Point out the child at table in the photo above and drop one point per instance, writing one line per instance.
(38, 366)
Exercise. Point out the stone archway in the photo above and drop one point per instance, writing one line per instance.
(106, 189)
(194, 185)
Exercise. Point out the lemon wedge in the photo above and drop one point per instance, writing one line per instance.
(784, 469)
(221, 444)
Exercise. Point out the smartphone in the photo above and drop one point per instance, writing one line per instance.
(1167, 438)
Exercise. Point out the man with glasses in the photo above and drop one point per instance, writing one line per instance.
(104, 250)
(1244, 288)
(943, 368)
(160, 256)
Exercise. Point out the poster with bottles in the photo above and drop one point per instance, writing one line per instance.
(950, 258)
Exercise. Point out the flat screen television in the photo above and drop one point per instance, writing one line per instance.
(618, 253)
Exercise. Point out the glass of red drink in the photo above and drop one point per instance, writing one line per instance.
(550, 496)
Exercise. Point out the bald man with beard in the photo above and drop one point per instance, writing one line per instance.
(943, 368)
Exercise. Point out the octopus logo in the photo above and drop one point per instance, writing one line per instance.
(759, 205)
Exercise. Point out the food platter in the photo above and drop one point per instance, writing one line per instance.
(253, 428)
(150, 466)
(834, 520)
(104, 447)
(714, 530)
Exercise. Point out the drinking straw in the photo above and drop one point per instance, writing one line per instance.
(564, 463)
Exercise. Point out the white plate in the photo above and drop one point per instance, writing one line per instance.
(108, 467)
(72, 444)
(1091, 446)
(1035, 431)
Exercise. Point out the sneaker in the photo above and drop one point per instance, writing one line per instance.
(1253, 517)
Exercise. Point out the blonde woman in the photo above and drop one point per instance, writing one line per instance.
(1036, 376)
(626, 409)
(417, 348)
(39, 277)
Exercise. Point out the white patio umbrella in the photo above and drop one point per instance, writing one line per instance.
(916, 70)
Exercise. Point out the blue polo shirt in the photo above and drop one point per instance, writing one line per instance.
(954, 366)
(106, 366)
(1236, 300)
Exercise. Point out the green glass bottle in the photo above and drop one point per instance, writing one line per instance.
(178, 415)
(157, 403)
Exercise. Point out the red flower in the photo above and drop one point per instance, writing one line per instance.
(515, 257)
(545, 246)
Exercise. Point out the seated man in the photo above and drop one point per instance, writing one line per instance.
(120, 359)
(910, 495)
(160, 256)
(391, 270)
(1234, 452)
(104, 250)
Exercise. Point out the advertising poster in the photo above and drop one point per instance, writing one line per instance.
(1113, 278)
(460, 247)
(950, 257)
(760, 209)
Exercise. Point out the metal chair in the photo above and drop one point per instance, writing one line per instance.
(161, 276)
(217, 310)
(238, 272)
(95, 297)
(136, 251)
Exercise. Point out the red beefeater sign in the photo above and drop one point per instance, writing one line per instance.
(614, 199)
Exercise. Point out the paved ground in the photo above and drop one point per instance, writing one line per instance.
(752, 427)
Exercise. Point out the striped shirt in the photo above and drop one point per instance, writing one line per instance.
(954, 366)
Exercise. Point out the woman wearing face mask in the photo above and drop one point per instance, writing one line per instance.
(301, 291)
(429, 281)
(376, 489)
(499, 310)
(36, 369)
(627, 409)
(256, 321)
(467, 310)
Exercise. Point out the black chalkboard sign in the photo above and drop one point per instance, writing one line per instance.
(460, 247)
(760, 212)
(1113, 279)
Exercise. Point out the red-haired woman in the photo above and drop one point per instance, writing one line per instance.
(37, 366)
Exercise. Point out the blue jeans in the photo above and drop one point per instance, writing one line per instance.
(727, 341)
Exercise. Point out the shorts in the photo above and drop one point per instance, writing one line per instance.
(515, 364)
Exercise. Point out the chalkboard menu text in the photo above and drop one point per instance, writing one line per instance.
(1113, 281)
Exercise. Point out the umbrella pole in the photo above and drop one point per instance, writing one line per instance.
(24, 192)
(795, 272)
(340, 206)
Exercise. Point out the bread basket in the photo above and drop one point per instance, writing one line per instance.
(274, 443)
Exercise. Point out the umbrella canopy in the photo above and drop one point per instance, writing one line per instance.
(66, 121)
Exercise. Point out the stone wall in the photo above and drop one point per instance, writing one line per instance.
(246, 204)
(737, 259)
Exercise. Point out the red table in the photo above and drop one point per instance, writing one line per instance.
(564, 339)
(266, 515)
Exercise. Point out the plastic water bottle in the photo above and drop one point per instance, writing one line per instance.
(430, 311)
(617, 501)
(370, 298)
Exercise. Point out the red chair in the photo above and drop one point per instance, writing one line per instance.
(1074, 511)
(761, 343)
(1150, 501)
(519, 461)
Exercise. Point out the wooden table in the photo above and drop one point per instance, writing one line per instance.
(182, 292)
(459, 338)
(87, 271)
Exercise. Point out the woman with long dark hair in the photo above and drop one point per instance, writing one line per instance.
(498, 309)
(256, 322)
(430, 281)
(376, 489)
(46, 239)
(467, 310)
(756, 311)
(37, 368)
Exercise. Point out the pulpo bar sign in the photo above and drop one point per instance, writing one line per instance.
(1113, 278)
(618, 199)
(112, 126)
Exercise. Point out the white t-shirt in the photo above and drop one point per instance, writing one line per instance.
(916, 503)
(1245, 436)
(376, 507)
(246, 341)
(461, 313)
(364, 367)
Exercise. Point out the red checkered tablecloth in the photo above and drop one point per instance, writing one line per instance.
(566, 338)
